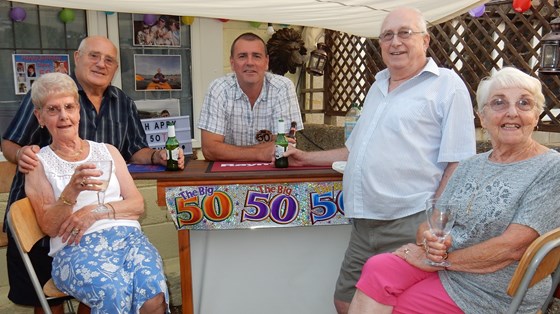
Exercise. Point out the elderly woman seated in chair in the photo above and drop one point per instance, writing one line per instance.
(100, 257)
(506, 198)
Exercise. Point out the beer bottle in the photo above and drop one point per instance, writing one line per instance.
(172, 148)
(281, 146)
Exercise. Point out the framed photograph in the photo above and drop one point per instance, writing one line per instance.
(164, 31)
(157, 72)
(157, 108)
(28, 67)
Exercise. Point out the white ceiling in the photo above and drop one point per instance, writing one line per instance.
(357, 17)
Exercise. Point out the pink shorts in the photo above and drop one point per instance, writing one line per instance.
(390, 280)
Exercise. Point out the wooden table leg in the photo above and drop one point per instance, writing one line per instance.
(186, 271)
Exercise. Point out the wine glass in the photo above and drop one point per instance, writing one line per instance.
(441, 217)
(106, 167)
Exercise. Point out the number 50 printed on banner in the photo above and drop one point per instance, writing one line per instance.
(241, 206)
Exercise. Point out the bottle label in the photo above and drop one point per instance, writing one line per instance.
(280, 151)
(173, 154)
(348, 127)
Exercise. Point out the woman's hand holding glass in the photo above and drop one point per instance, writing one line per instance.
(440, 218)
(434, 249)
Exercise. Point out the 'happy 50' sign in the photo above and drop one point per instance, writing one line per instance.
(240, 206)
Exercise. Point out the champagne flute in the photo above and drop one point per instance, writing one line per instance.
(441, 217)
(106, 167)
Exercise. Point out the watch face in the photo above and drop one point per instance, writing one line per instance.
(264, 136)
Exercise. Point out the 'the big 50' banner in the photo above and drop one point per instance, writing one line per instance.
(241, 206)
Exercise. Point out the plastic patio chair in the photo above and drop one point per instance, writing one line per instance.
(26, 232)
(540, 260)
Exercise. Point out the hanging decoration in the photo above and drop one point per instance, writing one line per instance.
(223, 20)
(66, 15)
(109, 13)
(187, 20)
(17, 14)
(478, 11)
(150, 19)
(521, 5)
(270, 29)
(255, 24)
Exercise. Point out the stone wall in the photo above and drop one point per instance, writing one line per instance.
(316, 137)
(320, 137)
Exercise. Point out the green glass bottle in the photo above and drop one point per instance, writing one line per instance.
(172, 148)
(281, 146)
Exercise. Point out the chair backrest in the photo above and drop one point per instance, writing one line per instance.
(24, 225)
(26, 232)
(539, 261)
(7, 172)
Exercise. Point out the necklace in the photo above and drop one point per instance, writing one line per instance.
(57, 150)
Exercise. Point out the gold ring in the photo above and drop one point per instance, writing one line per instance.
(83, 183)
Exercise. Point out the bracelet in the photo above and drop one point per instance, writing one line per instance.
(65, 201)
(152, 158)
(113, 208)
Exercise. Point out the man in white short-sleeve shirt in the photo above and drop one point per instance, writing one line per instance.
(416, 125)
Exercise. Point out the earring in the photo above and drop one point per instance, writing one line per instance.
(42, 126)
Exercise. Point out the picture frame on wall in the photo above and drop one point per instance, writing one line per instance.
(158, 108)
(157, 72)
(156, 30)
(28, 67)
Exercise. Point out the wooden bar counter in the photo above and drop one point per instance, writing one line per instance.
(196, 173)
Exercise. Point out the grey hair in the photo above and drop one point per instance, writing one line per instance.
(52, 84)
(421, 22)
(509, 77)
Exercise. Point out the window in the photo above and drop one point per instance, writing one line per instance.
(40, 33)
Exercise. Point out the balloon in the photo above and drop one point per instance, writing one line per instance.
(66, 15)
(150, 19)
(521, 5)
(255, 24)
(478, 11)
(18, 14)
(187, 20)
(223, 20)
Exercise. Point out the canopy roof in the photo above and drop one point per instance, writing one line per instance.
(357, 17)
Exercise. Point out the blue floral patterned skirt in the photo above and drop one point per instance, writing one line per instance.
(114, 270)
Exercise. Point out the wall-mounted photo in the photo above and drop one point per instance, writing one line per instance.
(157, 108)
(28, 67)
(156, 30)
(157, 72)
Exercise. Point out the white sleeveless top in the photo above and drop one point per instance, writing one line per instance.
(59, 172)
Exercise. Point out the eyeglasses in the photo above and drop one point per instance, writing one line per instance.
(55, 110)
(402, 34)
(95, 57)
(500, 104)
